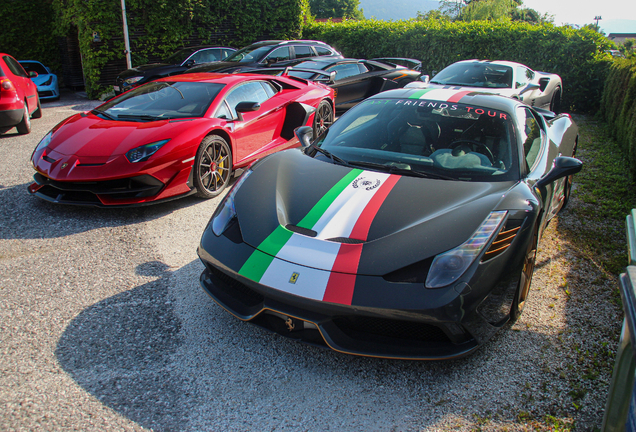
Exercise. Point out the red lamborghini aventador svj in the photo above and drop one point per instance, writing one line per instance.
(175, 136)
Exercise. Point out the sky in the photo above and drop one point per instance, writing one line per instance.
(619, 16)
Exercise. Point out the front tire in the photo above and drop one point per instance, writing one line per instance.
(212, 166)
(24, 127)
(323, 118)
(525, 279)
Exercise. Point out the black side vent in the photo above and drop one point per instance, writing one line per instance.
(89, 165)
(301, 230)
(48, 159)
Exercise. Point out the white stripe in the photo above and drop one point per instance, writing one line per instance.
(440, 94)
(309, 251)
(343, 213)
(311, 283)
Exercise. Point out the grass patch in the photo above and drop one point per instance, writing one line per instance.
(606, 195)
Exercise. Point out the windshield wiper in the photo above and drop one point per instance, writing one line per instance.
(140, 117)
(403, 170)
(105, 114)
(335, 159)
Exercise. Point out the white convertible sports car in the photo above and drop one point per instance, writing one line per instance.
(540, 89)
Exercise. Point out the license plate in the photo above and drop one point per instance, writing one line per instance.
(116, 88)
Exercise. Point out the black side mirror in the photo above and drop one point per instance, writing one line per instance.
(304, 134)
(190, 63)
(563, 166)
(243, 107)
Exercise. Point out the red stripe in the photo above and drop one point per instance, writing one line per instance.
(457, 96)
(342, 280)
(360, 230)
(343, 275)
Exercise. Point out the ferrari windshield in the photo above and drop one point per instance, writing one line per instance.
(477, 74)
(249, 54)
(424, 138)
(161, 100)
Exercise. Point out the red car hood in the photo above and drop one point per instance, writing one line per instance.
(86, 135)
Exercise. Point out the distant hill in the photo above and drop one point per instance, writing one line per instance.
(396, 10)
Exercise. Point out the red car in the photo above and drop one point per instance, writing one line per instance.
(173, 137)
(19, 99)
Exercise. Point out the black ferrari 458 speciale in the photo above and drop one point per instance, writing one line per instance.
(408, 229)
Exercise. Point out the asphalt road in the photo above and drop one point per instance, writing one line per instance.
(103, 326)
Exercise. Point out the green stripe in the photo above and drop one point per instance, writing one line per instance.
(257, 264)
(418, 94)
(323, 204)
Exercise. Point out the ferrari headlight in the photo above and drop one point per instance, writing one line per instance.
(44, 142)
(142, 153)
(132, 80)
(48, 81)
(449, 266)
(226, 211)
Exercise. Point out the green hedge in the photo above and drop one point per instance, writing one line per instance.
(618, 107)
(578, 56)
(160, 27)
(157, 28)
(28, 31)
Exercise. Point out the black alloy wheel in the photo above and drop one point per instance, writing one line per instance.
(323, 118)
(212, 166)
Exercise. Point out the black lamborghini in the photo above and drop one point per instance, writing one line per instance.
(408, 229)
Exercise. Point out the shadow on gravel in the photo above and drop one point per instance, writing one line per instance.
(167, 357)
(33, 218)
(119, 350)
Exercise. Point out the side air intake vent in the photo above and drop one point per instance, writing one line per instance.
(503, 239)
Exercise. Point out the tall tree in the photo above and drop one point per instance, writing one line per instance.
(336, 9)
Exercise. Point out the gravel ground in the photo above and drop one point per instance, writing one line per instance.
(103, 326)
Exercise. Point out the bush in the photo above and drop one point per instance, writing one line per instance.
(578, 56)
(618, 107)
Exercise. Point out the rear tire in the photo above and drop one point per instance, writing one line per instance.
(212, 166)
(567, 188)
(555, 103)
(38, 112)
(323, 118)
(24, 127)
(525, 278)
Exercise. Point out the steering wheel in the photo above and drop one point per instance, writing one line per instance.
(475, 146)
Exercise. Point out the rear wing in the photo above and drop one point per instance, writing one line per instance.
(410, 63)
(322, 76)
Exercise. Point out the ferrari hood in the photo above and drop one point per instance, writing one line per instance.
(308, 211)
(89, 136)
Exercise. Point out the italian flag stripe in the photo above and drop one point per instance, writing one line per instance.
(418, 94)
(457, 97)
(321, 206)
(342, 280)
(323, 270)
